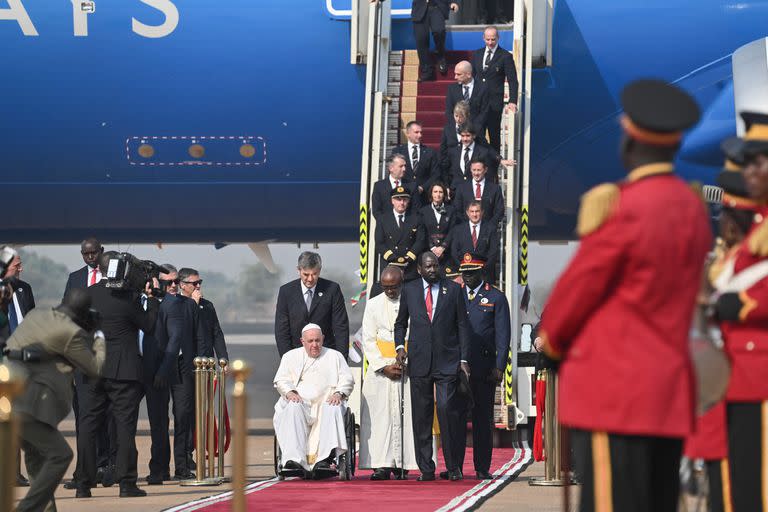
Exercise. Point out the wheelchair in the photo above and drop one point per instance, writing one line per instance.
(345, 463)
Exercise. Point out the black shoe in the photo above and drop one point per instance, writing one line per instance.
(322, 469)
(129, 490)
(442, 66)
(108, 478)
(154, 479)
(456, 475)
(445, 475)
(183, 475)
(400, 474)
(380, 474)
(483, 475)
(426, 477)
(292, 468)
(100, 474)
(82, 492)
(70, 484)
(21, 481)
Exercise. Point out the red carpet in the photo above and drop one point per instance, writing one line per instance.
(361, 494)
(430, 100)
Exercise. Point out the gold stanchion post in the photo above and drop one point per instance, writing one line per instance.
(201, 401)
(210, 411)
(552, 434)
(11, 385)
(240, 372)
(222, 419)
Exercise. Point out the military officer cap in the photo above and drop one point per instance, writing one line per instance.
(735, 193)
(472, 261)
(754, 141)
(657, 113)
(400, 192)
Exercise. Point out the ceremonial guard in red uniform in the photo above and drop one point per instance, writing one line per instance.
(620, 314)
(710, 440)
(743, 312)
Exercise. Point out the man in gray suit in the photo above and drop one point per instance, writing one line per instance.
(58, 342)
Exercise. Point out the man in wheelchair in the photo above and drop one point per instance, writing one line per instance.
(314, 383)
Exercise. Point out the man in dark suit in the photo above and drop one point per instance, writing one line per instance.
(121, 385)
(22, 302)
(311, 299)
(429, 16)
(86, 276)
(490, 334)
(382, 189)
(470, 90)
(461, 157)
(492, 66)
(421, 162)
(398, 236)
(191, 286)
(482, 189)
(477, 236)
(438, 349)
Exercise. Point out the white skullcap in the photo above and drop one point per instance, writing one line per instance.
(309, 327)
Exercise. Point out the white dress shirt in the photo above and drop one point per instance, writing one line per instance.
(410, 152)
(485, 55)
(471, 86)
(90, 273)
(438, 215)
(474, 187)
(461, 156)
(397, 217)
(392, 181)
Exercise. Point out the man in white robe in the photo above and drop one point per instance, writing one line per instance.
(380, 423)
(314, 383)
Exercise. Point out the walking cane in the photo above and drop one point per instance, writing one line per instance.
(402, 421)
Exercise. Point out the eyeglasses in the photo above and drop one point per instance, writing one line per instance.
(194, 283)
(169, 282)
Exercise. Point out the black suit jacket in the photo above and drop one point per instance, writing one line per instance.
(436, 347)
(478, 105)
(487, 243)
(77, 279)
(178, 328)
(419, 8)
(437, 235)
(328, 311)
(501, 68)
(213, 336)
(381, 198)
(23, 293)
(486, 153)
(428, 169)
(492, 199)
(400, 246)
(121, 318)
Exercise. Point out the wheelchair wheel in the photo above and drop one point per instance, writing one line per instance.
(347, 460)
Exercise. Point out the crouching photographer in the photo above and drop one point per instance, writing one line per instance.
(50, 344)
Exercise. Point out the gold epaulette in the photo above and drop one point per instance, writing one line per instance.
(597, 205)
(758, 240)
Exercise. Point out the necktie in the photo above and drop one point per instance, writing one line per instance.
(397, 183)
(415, 157)
(478, 192)
(309, 299)
(93, 277)
(400, 220)
(488, 55)
(428, 300)
(13, 320)
(466, 160)
(471, 295)
(474, 236)
(466, 93)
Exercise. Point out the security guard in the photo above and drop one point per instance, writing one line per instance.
(490, 334)
(399, 239)
(620, 314)
(52, 343)
(743, 310)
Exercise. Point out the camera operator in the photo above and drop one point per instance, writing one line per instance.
(121, 385)
(52, 343)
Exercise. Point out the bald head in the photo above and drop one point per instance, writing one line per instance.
(463, 72)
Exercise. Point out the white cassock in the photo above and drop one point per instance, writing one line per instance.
(380, 408)
(308, 431)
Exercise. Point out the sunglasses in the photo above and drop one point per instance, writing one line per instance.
(194, 283)
(169, 281)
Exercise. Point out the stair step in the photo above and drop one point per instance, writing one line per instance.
(439, 88)
(431, 136)
(431, 119)
(430, 103)
(396, 58)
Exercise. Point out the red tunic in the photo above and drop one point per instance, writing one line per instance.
(746, 341)
(710, 441)
(621, 312)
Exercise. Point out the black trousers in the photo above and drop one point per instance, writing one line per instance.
(628, 473)
(493, 123)
(125, 398)
(157, 412)
(449, 416)
(484, 395)
(746, 453)
(47, 456)
(717, 474)
(434, 23)
(183, 395)
(106, 442)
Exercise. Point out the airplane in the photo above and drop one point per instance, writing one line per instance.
(115, 117)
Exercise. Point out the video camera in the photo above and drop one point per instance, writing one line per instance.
(126, 272)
